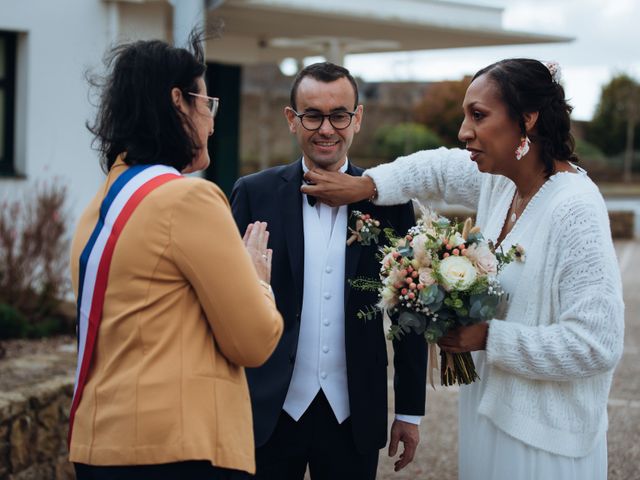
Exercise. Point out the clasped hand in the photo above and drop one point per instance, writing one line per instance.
(465, 339)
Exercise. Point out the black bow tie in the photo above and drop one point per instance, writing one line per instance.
(310, 198)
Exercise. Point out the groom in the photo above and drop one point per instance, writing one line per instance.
(321, 399)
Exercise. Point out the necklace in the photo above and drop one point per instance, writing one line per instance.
(520, 203)
(517, 202)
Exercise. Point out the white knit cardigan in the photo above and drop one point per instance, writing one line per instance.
(551, 361)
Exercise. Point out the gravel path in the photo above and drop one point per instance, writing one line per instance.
(28, 362)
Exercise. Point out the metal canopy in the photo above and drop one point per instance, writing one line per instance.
(271, 30)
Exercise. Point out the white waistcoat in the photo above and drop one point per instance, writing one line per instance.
(321, 358)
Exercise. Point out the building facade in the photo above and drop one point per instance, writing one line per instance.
(48, 47)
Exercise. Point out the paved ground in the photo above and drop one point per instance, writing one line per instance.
(437, 454)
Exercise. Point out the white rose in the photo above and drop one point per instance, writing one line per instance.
(483, 258)
(419, 251)
(425, 277)
(457, 273)
(456, 240)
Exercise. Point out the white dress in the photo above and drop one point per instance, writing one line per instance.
(486, 452)
(540, 408)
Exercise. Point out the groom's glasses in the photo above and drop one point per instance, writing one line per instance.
(314, 120)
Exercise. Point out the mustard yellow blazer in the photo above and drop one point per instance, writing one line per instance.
(184, 312)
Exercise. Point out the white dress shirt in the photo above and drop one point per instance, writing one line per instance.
(321, 356)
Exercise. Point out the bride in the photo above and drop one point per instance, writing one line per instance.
(540, 408)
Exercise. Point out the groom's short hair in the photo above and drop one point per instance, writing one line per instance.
(324, 72)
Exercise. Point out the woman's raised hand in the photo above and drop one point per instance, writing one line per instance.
(255, 239)
(337, 188)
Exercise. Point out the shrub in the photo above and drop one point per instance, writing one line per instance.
(403, 138)
(13, 324)
(602, 167)
(33, 256)
(52, 325)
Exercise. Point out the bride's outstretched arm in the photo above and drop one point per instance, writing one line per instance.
(440, 174)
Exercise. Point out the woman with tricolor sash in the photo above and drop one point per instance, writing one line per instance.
(172, 302)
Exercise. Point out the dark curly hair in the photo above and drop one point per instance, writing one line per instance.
(136, 114)
(323, 72)
(525, 86)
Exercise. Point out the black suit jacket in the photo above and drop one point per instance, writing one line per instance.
(274, 196)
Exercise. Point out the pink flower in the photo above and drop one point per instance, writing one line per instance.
(388, 259)
(419, 251)
(426, 278)
(483, 258)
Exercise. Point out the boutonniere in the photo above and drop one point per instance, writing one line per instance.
(515, 253)
(362, 228)
(518, 252)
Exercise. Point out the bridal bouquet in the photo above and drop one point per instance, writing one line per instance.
(440, 275)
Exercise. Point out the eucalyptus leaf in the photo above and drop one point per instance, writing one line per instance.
(474, 238)
(412, 320)
(487, 312)
(476, 309)
(428, 295)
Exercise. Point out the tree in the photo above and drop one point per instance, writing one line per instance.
(616, 123)
(441, 109)
(404, 138)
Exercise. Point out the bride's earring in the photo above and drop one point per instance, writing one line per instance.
(523, 148)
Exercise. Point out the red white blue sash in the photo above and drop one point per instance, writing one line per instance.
(121, 200)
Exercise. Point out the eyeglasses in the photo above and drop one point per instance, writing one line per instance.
(212, 102)
(314, 120)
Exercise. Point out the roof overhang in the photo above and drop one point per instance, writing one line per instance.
(258, 31)
(270, 30)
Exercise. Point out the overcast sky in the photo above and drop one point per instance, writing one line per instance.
(607, 42)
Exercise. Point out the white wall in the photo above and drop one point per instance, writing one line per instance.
(59, 40)
(144, 21)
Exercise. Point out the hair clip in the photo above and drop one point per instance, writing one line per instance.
(554, 70)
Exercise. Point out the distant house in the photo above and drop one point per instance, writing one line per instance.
(47, 46)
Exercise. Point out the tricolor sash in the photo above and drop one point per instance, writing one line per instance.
(121, 200)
